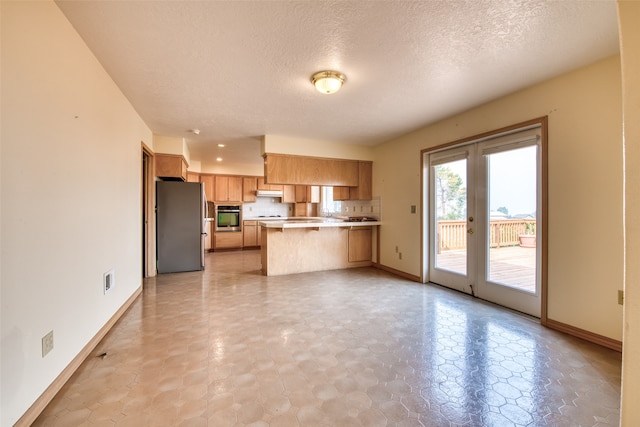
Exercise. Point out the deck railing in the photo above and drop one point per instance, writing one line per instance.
(452, 235)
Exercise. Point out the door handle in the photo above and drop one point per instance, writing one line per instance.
(470, 231)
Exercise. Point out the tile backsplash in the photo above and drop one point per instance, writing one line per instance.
(267, 206)
(272, 206)
(361, 208)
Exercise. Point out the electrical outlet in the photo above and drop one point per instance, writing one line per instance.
(108, 281)
(413, 209)
(399, 255)
(47, 343)
(621, 297)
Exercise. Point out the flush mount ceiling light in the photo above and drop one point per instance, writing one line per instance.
(328, 81)
(195, 131)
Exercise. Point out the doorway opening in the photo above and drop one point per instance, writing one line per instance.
(148, 214)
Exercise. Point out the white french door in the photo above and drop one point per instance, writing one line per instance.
(483, 203)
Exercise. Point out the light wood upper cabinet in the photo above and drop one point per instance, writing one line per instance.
(249, 187)
(288, 194)
(228, 188)
(171, 166)
(307, 194)
(301, 193)
(340, 193)
(193, 177)
(302, 170)
(262, 185)
(363, 191)
(365, 177)
(235, 188)
(222, 188)
(209, 187)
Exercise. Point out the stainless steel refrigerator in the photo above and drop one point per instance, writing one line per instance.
(180, 221)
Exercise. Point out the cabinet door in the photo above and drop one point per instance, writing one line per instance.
(363, 191)
(208, 240)
(193, 177)
(227, 240)
(222, 188)
(360, 244)
(170, 166)
(249, 187)
(235, 189)
(209, 187)
(250, 233)
(288, 194)
(301, 193)
(262, 185)
(340, 193)
(302, 209)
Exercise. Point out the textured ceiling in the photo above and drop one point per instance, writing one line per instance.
(237, 70)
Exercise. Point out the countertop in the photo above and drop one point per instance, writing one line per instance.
(313, 222)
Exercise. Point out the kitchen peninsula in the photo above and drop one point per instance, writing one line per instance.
(300, 245)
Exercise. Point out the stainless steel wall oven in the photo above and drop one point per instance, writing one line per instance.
(228, 217)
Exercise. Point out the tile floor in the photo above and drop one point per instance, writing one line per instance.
(229, 347)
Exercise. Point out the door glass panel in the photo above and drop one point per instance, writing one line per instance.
(450, 186)
(511, 237)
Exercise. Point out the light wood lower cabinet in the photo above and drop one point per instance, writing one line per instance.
(227, 240)
(251, 234)
(302, 250)
(208, 240)
(360, 244)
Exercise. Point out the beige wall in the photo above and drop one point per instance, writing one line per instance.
(71, 195)
(71, 185)
(629, 17)
(305, 147)
(232, 169)
(585, 188)
(172, 145)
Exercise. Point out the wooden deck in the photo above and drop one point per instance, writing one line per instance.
(511, 266)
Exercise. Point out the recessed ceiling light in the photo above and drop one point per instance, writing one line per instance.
(328, 81)
(220, 145)
(218, 159)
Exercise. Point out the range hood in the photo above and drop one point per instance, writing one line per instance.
(269, 193)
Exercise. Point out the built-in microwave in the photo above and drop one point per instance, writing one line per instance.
(228, 217)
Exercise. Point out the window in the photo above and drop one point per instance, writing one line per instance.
(328, 206)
